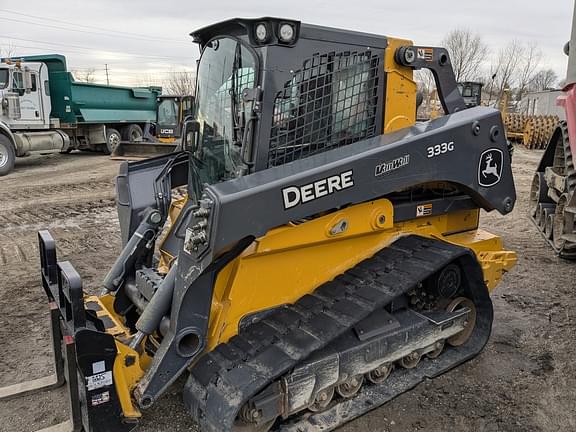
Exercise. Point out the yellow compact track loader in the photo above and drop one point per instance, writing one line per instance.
(171, 112)
(325, 257)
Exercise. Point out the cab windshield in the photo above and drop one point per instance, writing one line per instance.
(226, 68)
(4, 77)
(168, 112)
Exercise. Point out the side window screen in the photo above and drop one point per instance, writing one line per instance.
(46, 88)
(33, 81)
(331, 102)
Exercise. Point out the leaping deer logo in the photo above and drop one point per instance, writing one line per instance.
(490, 169)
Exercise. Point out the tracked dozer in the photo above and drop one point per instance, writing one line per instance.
(325, 256)
(553, 192)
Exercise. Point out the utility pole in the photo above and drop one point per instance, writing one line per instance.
(107, 77)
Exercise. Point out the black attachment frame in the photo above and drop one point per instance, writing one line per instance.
(438, 62)
(70, 324)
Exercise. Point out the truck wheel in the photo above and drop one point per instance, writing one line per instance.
(113, 138)
(132, 133)
(7, 155)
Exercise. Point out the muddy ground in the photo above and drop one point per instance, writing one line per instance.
(524, 380)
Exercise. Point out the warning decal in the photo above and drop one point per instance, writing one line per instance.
(426, 54)
(100, 398)
(424, 210)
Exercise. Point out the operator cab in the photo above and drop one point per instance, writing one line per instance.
(471, 92)
(323, 89)
(170, 115)
(24, 95)
(4, 77)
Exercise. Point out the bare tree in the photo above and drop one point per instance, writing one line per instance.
(7, 50)
(85, 75)
(505, 68)
(149, 80)
(544, 79)
(490, 86)
(528, 64)
(180, 83)
(427, 86)
(467, 53)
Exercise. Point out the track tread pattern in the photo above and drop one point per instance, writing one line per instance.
(225, 378)
(565, 157)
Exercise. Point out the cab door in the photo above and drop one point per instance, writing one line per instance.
(31, 107)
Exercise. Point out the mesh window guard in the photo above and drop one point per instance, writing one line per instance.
(331, 102)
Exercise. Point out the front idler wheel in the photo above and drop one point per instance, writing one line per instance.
(350, 387)
(461, 338)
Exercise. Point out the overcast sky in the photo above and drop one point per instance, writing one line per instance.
(141, 41)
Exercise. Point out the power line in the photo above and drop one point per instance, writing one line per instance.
(82, 31)
(142, 36)
(91, 49)
(72, 51)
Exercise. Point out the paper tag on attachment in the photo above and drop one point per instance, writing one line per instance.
(99, 380)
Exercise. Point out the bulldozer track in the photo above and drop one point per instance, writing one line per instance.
(223, 380)
(564, 163)
(570, 171)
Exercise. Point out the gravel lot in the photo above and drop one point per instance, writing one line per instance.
(525, 379)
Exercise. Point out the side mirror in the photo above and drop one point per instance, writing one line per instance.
(190, 134)
(27, 77)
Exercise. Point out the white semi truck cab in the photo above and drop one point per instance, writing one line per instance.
(43, 109)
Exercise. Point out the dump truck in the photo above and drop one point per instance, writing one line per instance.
(552, 203)
(45, 110)
(325, 257)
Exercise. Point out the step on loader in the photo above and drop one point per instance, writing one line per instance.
(325, 256)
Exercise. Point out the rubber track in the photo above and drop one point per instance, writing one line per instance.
(568, 158)
(227, 377)
(568, 251)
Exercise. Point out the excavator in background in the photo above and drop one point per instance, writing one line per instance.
(164, 134)
(552, 195)
(325, 258)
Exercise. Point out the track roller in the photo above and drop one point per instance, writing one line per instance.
(438, 348)
(411, 360)
(558, 228)
(350, 387)
(322, 400)
(538, 193)
(379, 375)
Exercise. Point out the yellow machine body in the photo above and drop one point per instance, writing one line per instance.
(291, 261)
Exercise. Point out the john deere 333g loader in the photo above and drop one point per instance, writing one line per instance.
(325, 257)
